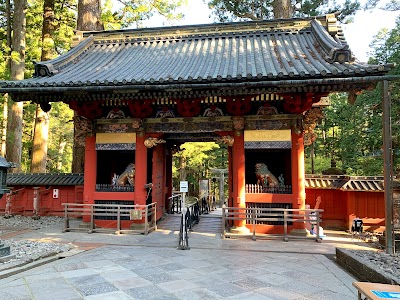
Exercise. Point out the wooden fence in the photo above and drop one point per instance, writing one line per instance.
(146, 214)
(255, 216)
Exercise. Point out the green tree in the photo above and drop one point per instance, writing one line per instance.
(15, 113)
(352, 134)
(134, 12)
(198, 157)
(231, 10)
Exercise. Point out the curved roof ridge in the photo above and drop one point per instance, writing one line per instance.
(217, 28)
(53, 66)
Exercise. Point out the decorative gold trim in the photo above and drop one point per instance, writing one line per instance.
(267, 135)
(116, 138)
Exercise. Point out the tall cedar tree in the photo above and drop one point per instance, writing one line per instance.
(14, 125)
(89, 14)
(41, 130)
(8, 67)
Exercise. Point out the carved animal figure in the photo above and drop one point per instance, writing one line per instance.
(128, 176)
(227, 140)
(150, 142)
(265, 177)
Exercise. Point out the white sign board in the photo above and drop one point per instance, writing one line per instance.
(183, 187)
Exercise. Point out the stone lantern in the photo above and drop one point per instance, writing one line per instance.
(4, 166)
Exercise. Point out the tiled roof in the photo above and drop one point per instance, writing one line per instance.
(279, 53)
(345, 183)
(326, 181)
(14, 179)
(342, 182)
(370, 184)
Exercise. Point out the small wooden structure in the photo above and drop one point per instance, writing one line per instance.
(343, 198)
(49, 191)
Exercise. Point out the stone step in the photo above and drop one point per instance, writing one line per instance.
(206, 224)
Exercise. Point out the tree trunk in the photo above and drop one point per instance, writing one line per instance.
(182, 168)
(89, 13)
(283, 9)
(14, 126)
(4, 125)
(40, 137)
(47, 30)
(41, 131)
(78, 151)
(61, 147)
(8, 67)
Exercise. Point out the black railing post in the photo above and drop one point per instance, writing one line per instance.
(183, 235)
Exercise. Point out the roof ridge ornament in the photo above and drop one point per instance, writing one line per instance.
(330, 43)
(52, 67)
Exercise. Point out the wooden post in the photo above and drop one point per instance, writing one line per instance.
(253, 221)
(118, 219)
(223, 222)
(91, 219)
(36, 202)
(239, 184)
(146, 222)
(285, 229)
(298, 179)
(89, 173)
(388, 168)
(141, 169)
(66, 220)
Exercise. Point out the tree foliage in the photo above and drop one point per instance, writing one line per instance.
(351, 135)
(133, 12)
(198, 157)
(233, 10)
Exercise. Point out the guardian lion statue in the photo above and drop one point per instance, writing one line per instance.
(265, 177)
(128, 176)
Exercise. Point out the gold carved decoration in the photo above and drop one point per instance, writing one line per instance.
(267, 135)
(238, 123)
(150, 142)
(311, 118)
(227, 140)
(83, 127)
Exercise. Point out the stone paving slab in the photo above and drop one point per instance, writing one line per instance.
(126, 266)
(95, 275)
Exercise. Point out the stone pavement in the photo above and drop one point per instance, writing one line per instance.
(109, 266)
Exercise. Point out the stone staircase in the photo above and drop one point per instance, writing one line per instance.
(170, 222)
(209, 223)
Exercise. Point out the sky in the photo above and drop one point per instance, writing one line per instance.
(358, 34)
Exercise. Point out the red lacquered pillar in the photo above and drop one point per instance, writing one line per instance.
(140, 169)
(238, 175)
(89, 173)
(298, 176)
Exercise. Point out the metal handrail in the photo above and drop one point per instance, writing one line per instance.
(204, 207)
(175, 204)
(254, 216)
(191, 218)
(118, 211)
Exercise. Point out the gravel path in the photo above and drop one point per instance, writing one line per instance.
(26, 251)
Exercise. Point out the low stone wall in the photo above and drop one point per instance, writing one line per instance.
(362, 270)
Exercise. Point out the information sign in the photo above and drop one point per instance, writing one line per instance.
(183, 187)
(386, 295)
